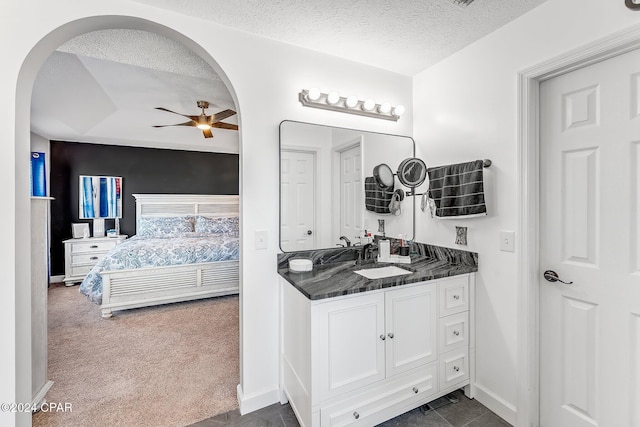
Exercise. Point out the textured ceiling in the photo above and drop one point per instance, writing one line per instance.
(103, 87)
(405, 36)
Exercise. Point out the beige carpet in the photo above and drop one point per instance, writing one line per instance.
(169, 365)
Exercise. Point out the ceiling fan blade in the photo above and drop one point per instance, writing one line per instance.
(207, 133)
(224, 126)
(190, 123)
(180, 114)
(221, 116)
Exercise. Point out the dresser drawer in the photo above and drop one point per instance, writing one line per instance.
(84, 259)
(370, 408)
(454, 332)
(82, 247)
(454, 368)
(454, 295)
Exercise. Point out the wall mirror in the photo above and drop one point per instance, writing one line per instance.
(322, 175)
(100, 197)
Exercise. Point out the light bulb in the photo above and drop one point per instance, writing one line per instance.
(333, 98)
(351, 101)
(369, 105)
(313, 94)
(203, 126)
(385, 108)
(399, 110)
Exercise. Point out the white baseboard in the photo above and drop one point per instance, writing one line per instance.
(255, 401)
(38, 398)
(56, 279)
(501, 407)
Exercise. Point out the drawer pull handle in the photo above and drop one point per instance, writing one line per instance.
(455, 368)
(93, 246)
(415, 390)
(93, 258)
(456, 297)
(382, 337)
(390, 334)
(456, 333)
(356, 415)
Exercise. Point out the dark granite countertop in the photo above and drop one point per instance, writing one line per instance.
(336, 277)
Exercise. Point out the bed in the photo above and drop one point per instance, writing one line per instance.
(166, 261)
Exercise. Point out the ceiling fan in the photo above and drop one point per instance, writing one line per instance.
(204, 122)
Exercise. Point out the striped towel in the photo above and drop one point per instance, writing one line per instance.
(458, 190)
(376, 199)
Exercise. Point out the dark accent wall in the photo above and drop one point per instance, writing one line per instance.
(143, 170)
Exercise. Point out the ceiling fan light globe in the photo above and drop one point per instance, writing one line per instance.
(203, 126)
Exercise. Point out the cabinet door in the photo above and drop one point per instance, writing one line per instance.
(352, 337)
(411, 322)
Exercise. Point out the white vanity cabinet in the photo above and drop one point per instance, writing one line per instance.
(364, 358)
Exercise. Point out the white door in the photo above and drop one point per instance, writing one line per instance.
(411, 327)
(297, 199)
(590, 235)
(351, 194)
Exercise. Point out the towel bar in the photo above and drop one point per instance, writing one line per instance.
(485, 164)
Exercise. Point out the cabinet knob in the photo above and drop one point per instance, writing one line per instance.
(93, 258)
(382, 337)
(455, 368)
(390, 334)
(356, 415)
(415, 390)
(456, 333)
(456, 297)
(94, 246)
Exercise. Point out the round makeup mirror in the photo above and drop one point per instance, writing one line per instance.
(412, 172)
(383, 176)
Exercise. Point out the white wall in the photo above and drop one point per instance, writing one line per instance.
(465, 108)
(265, 79)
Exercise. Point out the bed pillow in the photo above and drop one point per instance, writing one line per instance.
(216, 225)
(165, 226)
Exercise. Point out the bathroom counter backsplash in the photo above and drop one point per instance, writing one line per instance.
(333, 269)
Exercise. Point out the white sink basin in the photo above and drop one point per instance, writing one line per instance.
(381, 272)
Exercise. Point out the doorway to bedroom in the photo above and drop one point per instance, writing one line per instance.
(94, 103)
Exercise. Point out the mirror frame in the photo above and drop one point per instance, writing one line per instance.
(413, 154)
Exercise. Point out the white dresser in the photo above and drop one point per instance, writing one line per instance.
(80, 255)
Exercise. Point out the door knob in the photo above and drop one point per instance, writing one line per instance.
(309, 232)
(552, 276)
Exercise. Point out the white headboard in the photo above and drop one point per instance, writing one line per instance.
(162, 205)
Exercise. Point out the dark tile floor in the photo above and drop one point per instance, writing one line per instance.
(441, 413)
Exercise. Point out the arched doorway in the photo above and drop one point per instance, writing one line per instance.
(27, 76)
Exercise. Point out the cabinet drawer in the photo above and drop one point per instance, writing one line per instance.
(454, 295)
(454, 332)
(83, 259)
(81, 247)
(454, 368)
(373, 408)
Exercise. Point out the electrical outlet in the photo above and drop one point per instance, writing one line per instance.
(262, 239)
(508, 241)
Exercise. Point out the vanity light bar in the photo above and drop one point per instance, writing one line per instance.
(334, 102)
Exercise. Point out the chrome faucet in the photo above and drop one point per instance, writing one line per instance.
(346, 240)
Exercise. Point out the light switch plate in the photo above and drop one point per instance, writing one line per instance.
(508, 241)
(262, 239)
